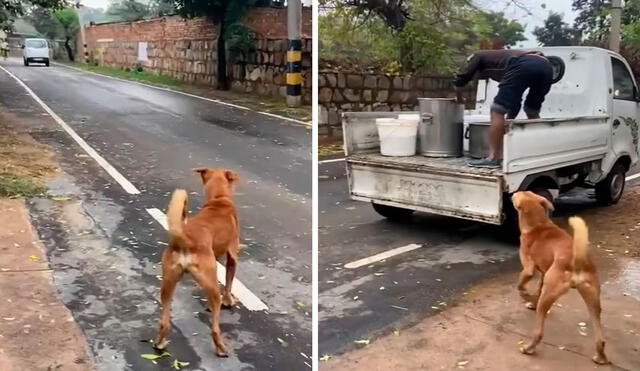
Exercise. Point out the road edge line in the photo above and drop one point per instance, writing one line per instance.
(239, 290)
(300, 122)
(115, 174)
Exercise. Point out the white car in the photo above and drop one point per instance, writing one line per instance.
(35, 50)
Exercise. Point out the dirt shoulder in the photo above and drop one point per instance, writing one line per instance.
(485, 330)
(37, 332)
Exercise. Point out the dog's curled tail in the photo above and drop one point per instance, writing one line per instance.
(580, 241)
(177, 212)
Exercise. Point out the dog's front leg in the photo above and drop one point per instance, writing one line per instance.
(525, 276)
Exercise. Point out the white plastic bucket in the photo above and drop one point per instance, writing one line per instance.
(397, 136)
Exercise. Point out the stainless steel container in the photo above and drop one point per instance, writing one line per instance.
(478, 135)
(440, 128)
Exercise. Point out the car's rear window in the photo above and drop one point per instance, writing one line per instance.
(36, 44)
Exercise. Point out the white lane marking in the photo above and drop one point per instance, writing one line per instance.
(632, 177)
(159, 216)
(382, 256)
(305, 123)
(239, 290)
(128, 187)
(331, 160)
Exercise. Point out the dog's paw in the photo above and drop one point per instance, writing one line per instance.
(527, 349)
(161, 344)
(222, 352)
(228, 301)
(530, 305)
(601, 360)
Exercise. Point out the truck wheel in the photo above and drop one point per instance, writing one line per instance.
(26, 62)
(46, 63)
(609, 191)
(392, 212)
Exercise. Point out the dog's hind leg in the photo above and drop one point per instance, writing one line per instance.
(231, 264)
(205, 275)
(552, 289)
(171, 275)
(590, 292)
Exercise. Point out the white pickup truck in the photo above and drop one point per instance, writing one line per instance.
(587, 137)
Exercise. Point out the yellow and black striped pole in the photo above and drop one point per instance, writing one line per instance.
(294, 54)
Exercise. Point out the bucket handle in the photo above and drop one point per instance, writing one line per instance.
(466, 133)
(427, 118)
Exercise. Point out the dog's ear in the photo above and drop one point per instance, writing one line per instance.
(548, 205)
(202, 171)
(231, 176)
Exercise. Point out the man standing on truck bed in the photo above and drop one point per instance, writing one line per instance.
(515, 70)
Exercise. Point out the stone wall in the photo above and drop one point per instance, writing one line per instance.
(185, 48)
(345, 91)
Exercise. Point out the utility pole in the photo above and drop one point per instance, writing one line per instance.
(616, 14)
(294, 53)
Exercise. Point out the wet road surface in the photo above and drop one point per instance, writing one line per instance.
(444, 258)
(105, 248)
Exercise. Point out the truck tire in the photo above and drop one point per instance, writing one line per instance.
(609, 191)
(26, 62)
(392, 212)
(46, 63)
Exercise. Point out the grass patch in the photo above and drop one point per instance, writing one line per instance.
(12, 186)
(330, 149)
(24, 163)
(134, 75)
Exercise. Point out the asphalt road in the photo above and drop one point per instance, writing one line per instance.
(357, 305)
(105, 248)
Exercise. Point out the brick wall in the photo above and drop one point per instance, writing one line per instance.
(185, 48)
(345, 91)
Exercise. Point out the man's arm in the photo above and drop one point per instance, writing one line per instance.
(467, 73)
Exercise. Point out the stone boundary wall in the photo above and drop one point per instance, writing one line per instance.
(345, 91)
(185, 48)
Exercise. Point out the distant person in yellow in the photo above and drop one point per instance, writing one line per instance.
(4, 46)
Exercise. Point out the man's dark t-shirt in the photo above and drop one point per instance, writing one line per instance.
(487, 64)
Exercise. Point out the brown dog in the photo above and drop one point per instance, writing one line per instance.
(563, 262)
(196, 243)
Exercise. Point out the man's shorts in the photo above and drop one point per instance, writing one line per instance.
(528, 71)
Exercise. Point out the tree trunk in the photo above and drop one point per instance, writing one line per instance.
(69, 50)
(223, 80)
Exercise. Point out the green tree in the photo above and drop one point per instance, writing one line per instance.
(68, 19)
(127, 10)
(43, 21)
(11, 9)
(159, 8)
(554, 32)
(494, 26)
(227, 14)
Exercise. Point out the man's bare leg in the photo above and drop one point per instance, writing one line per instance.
(496, 134)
